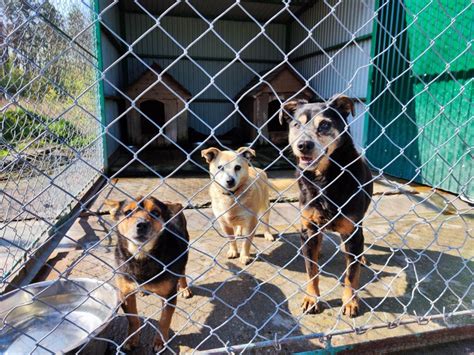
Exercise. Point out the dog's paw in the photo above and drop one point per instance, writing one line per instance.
(311, 305)
(186, 292)
(351, 308)
(158, 345)
(363, 260)
(232, 254)
(131, 344)
(245, 259)
(268, 236)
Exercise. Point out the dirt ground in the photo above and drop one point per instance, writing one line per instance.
(418, 245)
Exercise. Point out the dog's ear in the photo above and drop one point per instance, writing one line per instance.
(289, 107)
(210, 154)
(115, 208)
(176, 212)
(174, 207)
(158, 205)
(343, 104)
(246, 152)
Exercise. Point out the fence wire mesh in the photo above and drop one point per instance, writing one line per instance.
(95, 95)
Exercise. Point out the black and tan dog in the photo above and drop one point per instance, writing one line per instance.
(151, 255)
(335, 190)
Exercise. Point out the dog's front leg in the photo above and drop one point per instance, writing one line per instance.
(129, 306)
(162, 337)
(248, 232)
(233, 252)
(354, 247)
(183, 288)
(311, 246)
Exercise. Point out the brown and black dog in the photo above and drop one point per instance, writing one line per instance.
(151, 254)
(335, 190)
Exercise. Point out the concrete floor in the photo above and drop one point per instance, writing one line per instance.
(419, 248)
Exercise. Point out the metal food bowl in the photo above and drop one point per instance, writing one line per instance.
(54, 316)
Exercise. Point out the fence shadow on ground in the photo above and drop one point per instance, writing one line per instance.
(437, 282)
(425, 271)
(242, 307)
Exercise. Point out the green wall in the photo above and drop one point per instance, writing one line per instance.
(420, 124)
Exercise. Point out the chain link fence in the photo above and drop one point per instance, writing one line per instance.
(107, 104)
(51, 144)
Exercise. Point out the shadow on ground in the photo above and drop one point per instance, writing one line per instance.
(244, 309)
(436, 281)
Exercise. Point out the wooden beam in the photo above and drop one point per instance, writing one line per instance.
(210, 19)
(209, 59)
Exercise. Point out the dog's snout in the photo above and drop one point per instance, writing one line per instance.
(142, 227)
(230, 182)
(305, 146)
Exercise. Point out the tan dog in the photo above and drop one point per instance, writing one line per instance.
(240, 197)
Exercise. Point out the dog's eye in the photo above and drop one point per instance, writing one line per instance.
(324, 126)
(127, 212)
(155, 213)
(219, 167)
(238, 167)
(295, 124)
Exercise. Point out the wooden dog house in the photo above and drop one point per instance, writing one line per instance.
(262, 103)
(159, 102)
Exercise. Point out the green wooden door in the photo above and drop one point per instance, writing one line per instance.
(420, 119)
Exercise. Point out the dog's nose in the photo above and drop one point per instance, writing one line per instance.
(142, 227)
(305, 146)
(230, 182)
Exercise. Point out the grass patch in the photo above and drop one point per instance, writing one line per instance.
(20, 127)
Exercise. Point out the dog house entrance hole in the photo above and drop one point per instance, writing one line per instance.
(278, 132)
(153, 113)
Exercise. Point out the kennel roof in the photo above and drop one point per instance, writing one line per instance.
(283, 79)
(149, 79)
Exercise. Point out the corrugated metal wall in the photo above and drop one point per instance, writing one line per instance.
(212, 102)
(185, 30)
(113, 75)
(331, 27)
(338, 70)
(334, 24)
(211, 55)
